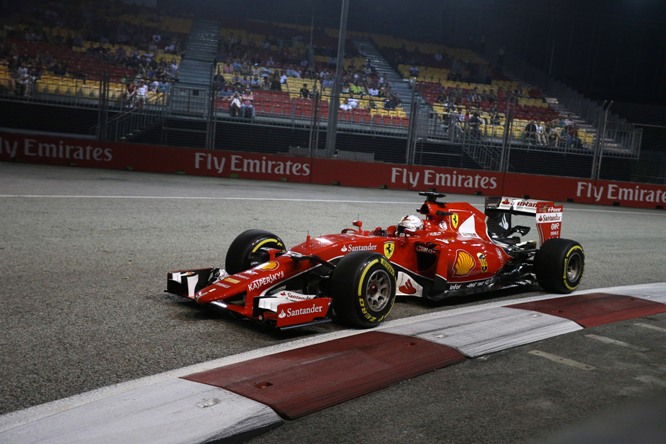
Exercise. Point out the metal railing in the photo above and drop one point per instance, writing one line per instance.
(486, 144)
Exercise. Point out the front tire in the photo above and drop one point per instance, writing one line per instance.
(363, 289)
(559, 265)
(246, 252)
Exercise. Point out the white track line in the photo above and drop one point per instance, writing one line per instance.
(561, 360)
(611, 341)
(651, 327)
(279, 199)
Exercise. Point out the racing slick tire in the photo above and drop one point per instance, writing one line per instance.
(363, 289)
(559, 265)
(245, 251)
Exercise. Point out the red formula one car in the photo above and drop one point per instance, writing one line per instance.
(354, 276)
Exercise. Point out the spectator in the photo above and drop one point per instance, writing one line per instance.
(275, 83)
(475, 122)
(573, 141)
(541, 133)
(553, 133)
(305, 92)
(130, 93)
(142, 94)
(247, 105)
(235, 106)
(530, 132)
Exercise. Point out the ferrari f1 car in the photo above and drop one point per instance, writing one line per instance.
(451, 249)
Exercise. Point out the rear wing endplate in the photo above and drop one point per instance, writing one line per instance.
(548, 215)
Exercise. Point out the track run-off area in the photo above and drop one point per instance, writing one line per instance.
(84, 257)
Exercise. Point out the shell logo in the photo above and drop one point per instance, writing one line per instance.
(463, 264)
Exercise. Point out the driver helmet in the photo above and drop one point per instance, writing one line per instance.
(410, 223)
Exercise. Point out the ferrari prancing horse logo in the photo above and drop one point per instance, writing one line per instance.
(454, 220)
(389, 247)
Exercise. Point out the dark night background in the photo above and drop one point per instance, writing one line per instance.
(614, 49)
(605, 49)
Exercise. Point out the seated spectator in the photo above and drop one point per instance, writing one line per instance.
(170, 48)
(247, 105)
(357, 90)
(305, 92)
(474, 98)
(572, 139)
(391, 102)
(23, 82)
(276, 84)
(235, 106)
(475, 123)
(530, 132)
(553, 132)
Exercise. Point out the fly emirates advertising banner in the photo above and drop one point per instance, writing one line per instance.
(15, 147)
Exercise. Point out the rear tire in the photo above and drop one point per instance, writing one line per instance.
(245, 251)
(559, 265)
(363, 289)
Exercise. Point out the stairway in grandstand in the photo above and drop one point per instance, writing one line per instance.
(192, 89)
(398, 85)
(487, 157)
(411, 101)
(190, 93)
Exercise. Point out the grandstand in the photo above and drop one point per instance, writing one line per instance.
(401, 100)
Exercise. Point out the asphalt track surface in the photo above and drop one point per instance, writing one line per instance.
(84, 256)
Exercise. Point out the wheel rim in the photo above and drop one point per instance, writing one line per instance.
(378, 290)
(574, 268)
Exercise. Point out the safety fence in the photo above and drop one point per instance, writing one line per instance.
(428, 134)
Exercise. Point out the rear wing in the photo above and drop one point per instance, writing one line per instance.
(548, 216)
